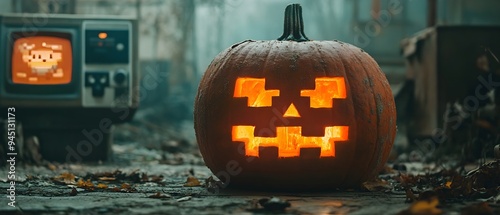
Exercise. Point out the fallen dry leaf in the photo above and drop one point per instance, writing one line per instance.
(125, 186)
(52, 167)
(377, 185)
(115, 189)
(423, 207)
(448, 184)
(192, 182)
(107, 178)
(480, 183)
(66, 178)
(156, 178)
(159, 195)
(87, 185)
(102, 186)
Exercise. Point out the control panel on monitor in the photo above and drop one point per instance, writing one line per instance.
(107, 64)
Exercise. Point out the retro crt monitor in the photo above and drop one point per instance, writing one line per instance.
(65, 74)
(75, 63)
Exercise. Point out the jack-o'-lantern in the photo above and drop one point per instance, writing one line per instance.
(294, 113)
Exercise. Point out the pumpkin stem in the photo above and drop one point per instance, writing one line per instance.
(294, 25)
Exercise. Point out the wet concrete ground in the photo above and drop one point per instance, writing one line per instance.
(38, 193)
(41, 196)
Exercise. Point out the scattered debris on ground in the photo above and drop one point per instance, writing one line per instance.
(192, 182)
(450, 185)
(159, 195)
(269, 204)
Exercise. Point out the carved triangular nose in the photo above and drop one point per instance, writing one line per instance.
(291, 111)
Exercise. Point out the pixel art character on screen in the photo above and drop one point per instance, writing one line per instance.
(41, 60)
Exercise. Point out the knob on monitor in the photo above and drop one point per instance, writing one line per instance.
(120, 76)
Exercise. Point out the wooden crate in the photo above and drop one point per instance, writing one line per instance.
(445, 65)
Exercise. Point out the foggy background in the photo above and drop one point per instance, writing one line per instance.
(179, 38)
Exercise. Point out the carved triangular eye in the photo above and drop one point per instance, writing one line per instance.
(291, 111)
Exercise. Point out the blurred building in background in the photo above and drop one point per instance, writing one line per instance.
(179, 38)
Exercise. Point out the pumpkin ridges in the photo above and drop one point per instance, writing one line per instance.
(382, 126)
(389, 111)
(354, 176)
(247, 53)
(265, 69)
(201, 134)
(242, 55)
(387, 129)
(377, 152)
(212, 73)
(382, 111)
(362, 105)
(352, 125)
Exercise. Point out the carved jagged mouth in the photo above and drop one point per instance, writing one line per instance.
(289, 140)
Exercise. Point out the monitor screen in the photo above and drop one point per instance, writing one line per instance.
(42, 60)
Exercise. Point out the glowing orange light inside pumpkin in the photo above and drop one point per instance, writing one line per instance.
(254, 90)
(326, 90)
(291, 112)
(289, 139)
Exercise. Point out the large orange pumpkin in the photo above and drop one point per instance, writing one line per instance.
(294, 113)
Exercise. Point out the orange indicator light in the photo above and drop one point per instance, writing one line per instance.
(102, 35)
